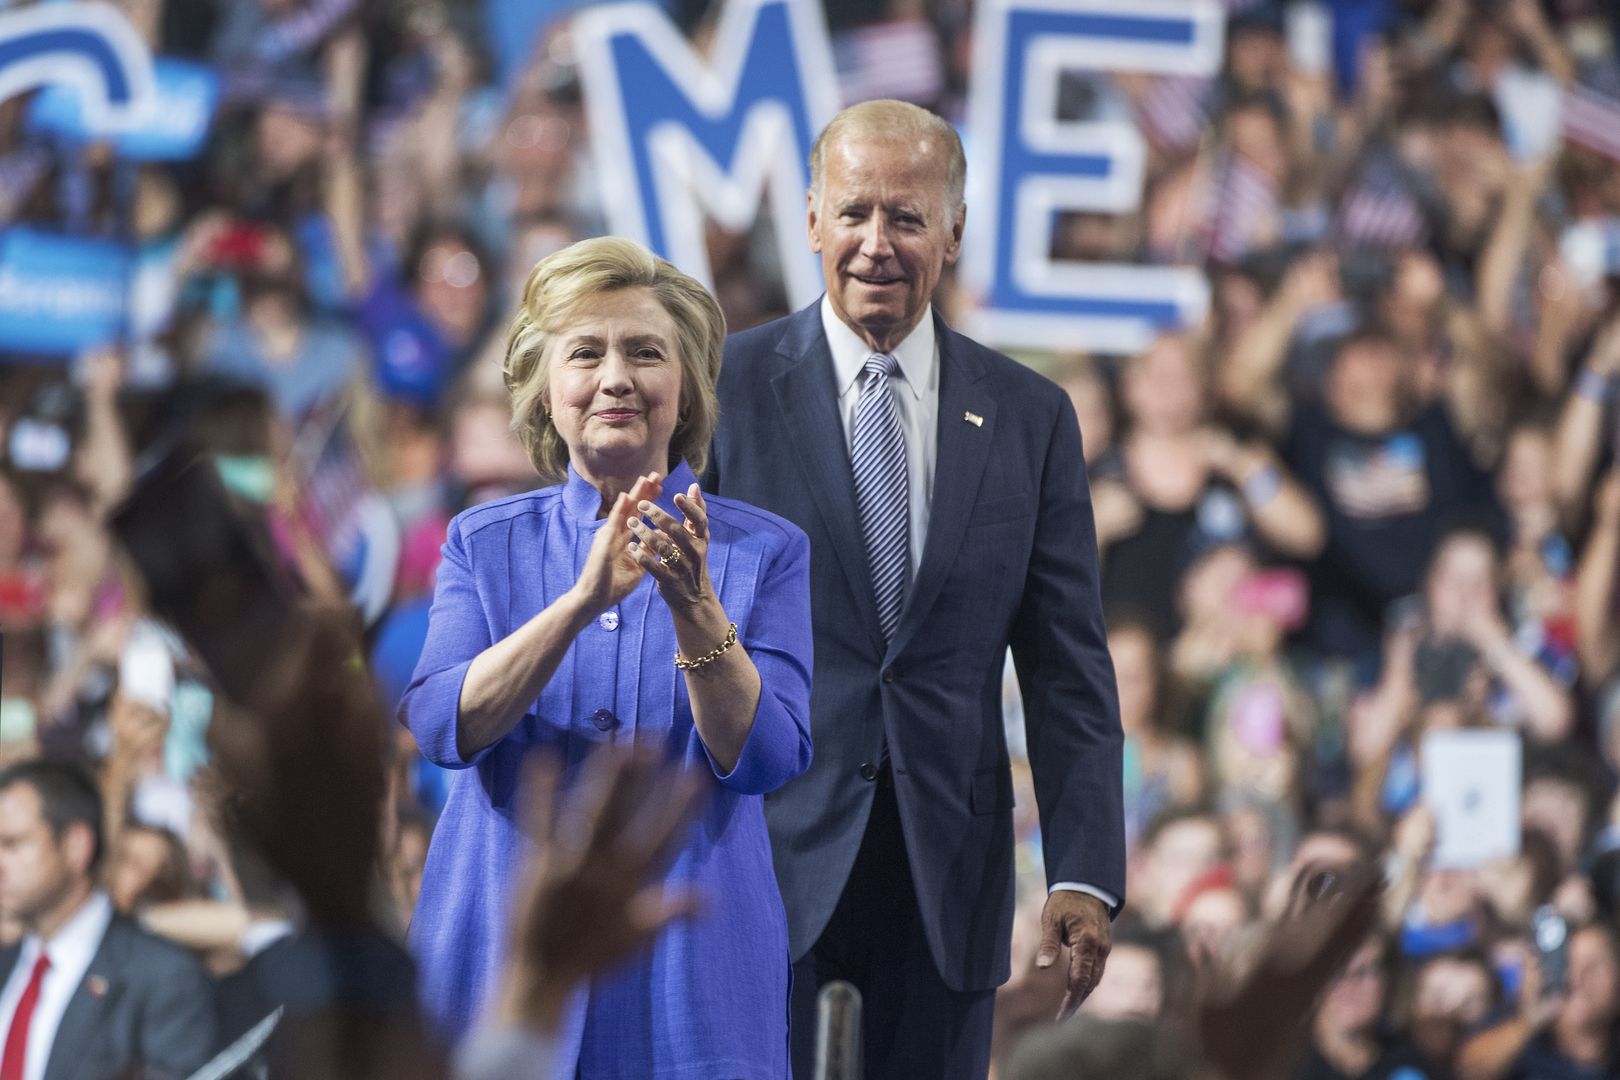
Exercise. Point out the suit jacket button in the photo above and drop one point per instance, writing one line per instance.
(868, 771)
(888, 674)
(604, 720)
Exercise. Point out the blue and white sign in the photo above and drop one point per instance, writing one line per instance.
(675, 137)
(60, 294)
(89, 48)
(173, 127)
(1027, 166)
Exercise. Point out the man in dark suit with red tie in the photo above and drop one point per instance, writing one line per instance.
(944, 492)
(86, 993)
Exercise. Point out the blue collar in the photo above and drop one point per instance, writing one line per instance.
(584, 502)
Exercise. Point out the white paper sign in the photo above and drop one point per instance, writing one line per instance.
(1471, 782)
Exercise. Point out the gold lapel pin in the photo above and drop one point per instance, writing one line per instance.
(973, 418)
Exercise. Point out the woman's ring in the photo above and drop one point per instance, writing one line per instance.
(673, 556)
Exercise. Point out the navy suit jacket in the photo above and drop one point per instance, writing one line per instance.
(1010, 559)
(144, 1008)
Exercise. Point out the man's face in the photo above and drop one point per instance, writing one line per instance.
(884, 231)
(36, 869)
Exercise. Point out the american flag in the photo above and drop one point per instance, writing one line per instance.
(1592, 119)
(898, 59)
(1243, 202)
(1380, 213)
(1174, 110)
(332, 478)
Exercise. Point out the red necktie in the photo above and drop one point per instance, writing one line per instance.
(11, 1065)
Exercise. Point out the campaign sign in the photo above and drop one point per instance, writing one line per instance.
(1027, 165)
(173, 126)
(60, 294)
(676, 137)
(89, 48)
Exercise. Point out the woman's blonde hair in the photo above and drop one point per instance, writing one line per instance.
(558, 287)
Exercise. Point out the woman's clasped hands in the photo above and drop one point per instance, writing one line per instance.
(639, 537)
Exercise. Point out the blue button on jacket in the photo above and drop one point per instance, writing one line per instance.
(711, 999)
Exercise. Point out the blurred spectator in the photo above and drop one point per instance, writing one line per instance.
(1451, 995)
(1557, 1032)
(1189, 486)
(1134, 984)
(1179, 848)
(1163, 770)
(78, 952)
(147, 865)
(1348, 1036)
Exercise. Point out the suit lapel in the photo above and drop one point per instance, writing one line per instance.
(960, 454)
(808, 400)
(95, 994)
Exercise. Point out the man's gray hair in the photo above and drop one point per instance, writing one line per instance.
(889, 120)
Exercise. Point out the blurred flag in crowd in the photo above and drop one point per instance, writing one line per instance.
(890, 60)
(1174, 111)
(1592, 119)
(1243, 206)
(343, 511)
(1378, 211)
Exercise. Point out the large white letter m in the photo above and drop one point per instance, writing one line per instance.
(676, 138)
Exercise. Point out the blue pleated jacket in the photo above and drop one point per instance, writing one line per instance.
(711, 1000)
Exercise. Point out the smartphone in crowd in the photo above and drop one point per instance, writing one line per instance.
(1550, 933)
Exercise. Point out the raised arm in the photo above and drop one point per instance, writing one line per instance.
(1284, 513)
(1597, 646)
(1580, 427)
(1248, 378)
(1503, 257)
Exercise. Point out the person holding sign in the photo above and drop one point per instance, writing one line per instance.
(944, 491)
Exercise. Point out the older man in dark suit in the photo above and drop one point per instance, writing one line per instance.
(944, 492)
(86, 993)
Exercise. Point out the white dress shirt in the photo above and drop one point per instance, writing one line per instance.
(916, 393)
(71, 949)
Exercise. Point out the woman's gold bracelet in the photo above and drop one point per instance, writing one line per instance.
(711, 656)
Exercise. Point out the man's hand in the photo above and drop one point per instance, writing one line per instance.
(1080, 921)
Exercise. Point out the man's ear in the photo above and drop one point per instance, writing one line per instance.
(954, 248)
(812, 218)
(78, 846)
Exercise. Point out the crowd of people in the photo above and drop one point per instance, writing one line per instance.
(1373, 495)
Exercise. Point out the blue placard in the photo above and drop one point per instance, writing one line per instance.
(173, 128)
(60, 295)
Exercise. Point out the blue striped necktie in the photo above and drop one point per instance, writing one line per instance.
(878, 457)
